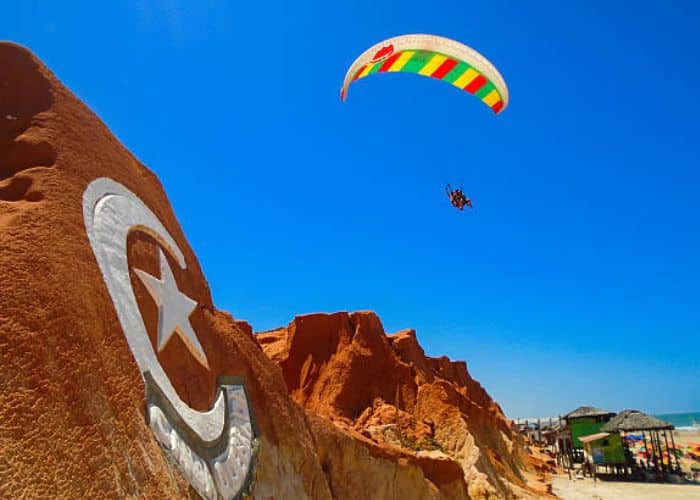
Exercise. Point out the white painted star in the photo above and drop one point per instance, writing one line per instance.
(174, 309)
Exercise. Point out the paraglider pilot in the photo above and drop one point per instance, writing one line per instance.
(457, 198)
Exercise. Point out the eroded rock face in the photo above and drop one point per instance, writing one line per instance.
(344, 368)
(83, 412)
(73, 420)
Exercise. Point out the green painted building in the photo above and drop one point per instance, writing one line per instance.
(604, 448)
(586, 421)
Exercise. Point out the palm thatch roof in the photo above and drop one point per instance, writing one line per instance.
(635, 420)
(588, 411)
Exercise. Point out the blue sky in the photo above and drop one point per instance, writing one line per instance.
(575, 280)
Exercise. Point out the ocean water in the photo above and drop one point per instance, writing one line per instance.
(682, 421)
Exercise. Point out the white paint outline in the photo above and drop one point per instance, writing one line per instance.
(111, 212)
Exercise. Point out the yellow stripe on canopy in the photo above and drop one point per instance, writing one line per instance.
(432, 65)
(402, 60)
(491, 98)
(466, 78)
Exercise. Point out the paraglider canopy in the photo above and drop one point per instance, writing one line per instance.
(436, 57)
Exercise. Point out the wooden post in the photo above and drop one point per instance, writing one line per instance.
(571, 455)
(673, 442)
(657, 452)
(655, 437)
(646, 448)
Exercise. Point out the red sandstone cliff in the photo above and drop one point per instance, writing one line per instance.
(344, 368)
(72, 414)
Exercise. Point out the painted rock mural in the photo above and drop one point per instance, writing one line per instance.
(119, 377)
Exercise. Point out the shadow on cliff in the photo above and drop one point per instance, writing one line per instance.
(24, 94)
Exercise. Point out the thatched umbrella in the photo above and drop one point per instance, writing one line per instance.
(635, 420)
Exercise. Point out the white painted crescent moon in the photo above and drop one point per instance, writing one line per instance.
(111, 211)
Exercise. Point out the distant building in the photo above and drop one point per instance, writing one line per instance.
(541, 432)
(600, 438)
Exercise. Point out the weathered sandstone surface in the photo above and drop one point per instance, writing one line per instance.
(340, 410)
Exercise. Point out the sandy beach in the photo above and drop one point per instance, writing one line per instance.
(579, 489)
(684, 439)
(613, 490)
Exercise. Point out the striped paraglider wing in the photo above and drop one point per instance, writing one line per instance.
(436, 57)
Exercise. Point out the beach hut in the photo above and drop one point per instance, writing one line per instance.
(603, 448)
(586, 421)
(658, 454)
